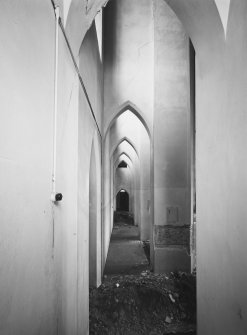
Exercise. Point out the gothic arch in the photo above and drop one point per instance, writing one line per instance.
(128, 105)
(200, 18)
(124, 139)
(129, 164)
(122, 154)
(202, 22)
(121, 187)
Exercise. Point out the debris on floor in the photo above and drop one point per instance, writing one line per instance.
(123, 218)
(148, 304)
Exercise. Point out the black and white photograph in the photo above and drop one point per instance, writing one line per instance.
(123, 167)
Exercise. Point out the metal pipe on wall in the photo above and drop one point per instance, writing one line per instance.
(53, 194)
(58, 196)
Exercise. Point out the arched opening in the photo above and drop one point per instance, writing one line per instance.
(194, 15)
(122, 201)
(128, 134)
(127, 141)
(122, 164)
(166, 103)
(127, 189)
(127, 106)
(129, 185)
(92, 221)
(127, 176)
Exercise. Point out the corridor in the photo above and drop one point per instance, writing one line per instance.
(132, 300)
(123, 105)
(126, 253)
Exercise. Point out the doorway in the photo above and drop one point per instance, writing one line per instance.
(122, 201)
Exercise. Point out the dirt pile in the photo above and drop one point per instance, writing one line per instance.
(145, 304)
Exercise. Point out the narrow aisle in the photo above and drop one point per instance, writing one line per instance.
(126, 254)
(134, 301)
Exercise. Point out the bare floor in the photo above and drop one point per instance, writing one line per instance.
(126, 254)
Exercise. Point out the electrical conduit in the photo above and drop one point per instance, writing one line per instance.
(53, 194)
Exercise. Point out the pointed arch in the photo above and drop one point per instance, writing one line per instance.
(122, 188)
(202, 22)
(124, 139)
(122, 163)
(199, 18)
(129, 163)
(122, 154)
(77, 20)
(128, 105)
(129, 168)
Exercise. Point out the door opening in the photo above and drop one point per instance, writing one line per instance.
(122, 201)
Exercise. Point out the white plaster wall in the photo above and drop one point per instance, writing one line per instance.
(107, 199)
(172, 96)
(222, 183)
(76, 130)
(145, 188)
(89, 59)
(221, 164)
(41, 258)
(92, 73)
(99, 239)
(128, 49)
(27, 288)
(95, 270)
(171, 123)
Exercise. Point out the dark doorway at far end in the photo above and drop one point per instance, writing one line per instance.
(122, 201)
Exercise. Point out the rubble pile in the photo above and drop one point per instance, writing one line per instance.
(144, 304)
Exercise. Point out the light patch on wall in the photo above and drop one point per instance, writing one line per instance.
(98, 25)
(223, 8)
(66, 6)
(130, 121)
